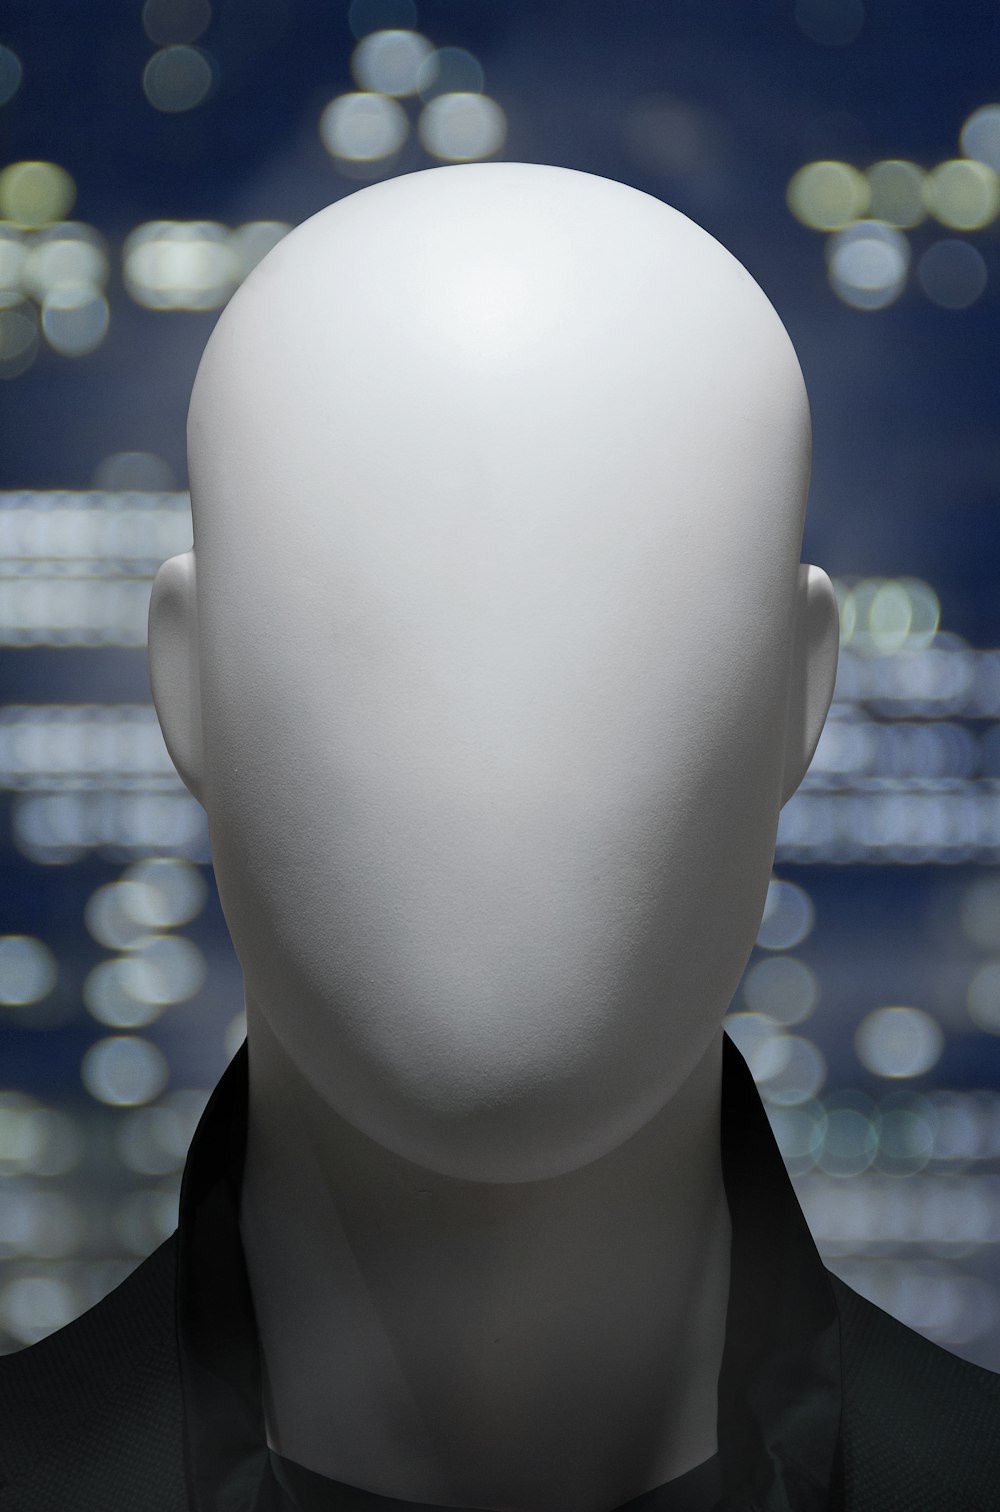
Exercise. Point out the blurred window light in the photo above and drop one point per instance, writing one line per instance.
(111, 997)
(119, 913)
(66, 254)
(450, 70)
(782, 987)
(34, 1306)
(19, 330)
(14, 248)
(898, 1042)
(868, 263)
(799, 1134)
(389, 62)
(381, 15)
(167, 21)
(133, 471)
(879, 616)
(75, 319)
(177, 79)
(850, 1142)
(20, 1136)
(55, 829)
(828, 195)
(462, 127)
(963, 193)
(905, 1139)
(180, 265)
(759, 1040)
(832, 23)
(847, 748)
(42, 1225)
(363, 128)
(980, 136)
(896, 192)
(959, 1132)
(154, 1141)
(37, 1141)
(983, 998)
(167, 969)
(800, 1074)
(979, 913)
(124, 1070)
(28, 969)
(952, 273)
(924, 752)
(35, 193)
(254, 240)
(58, 746)
(11, 74)
(787, 918)
(176, 890)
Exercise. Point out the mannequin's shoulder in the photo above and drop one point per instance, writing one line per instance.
(920, 1426)
(91, 1415)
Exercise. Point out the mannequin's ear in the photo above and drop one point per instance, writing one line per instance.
(813, 672)
(172, 648)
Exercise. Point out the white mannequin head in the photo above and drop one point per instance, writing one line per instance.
(498, 478)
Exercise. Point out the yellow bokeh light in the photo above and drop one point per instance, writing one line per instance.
(35, 194)
(963, 193)
(896, 189)
(828, 195)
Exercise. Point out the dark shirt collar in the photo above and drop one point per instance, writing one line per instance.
(779, 1385)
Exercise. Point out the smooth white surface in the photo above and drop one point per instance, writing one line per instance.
(498, 478)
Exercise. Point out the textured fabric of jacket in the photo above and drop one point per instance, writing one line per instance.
(151, 1400)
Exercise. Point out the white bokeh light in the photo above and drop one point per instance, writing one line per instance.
(898, 1041)
(980, 136)
(363, 128)
(788, 916)
(389, 62)
(28, 970)
(124, 1070)
(462, 127)
(867, 264)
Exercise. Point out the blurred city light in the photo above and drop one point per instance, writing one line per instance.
(28, 969)
(11, 74)
(177, 78)
(898, 1041)
(363, 128)
(124, 1070)
(868, 263)
(35, 194)
(462, 127)
(782, 987)
(980, 136)
(896, 194)
(788, 916)
(963, 193)
(180, 265)
(829, 195)
(449, 70)
(389, 62)
(952, 273)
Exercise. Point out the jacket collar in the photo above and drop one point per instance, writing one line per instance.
(779, 1386)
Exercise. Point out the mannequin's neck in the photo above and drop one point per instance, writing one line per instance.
(551, 1346)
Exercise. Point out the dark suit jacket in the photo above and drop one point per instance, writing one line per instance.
(151, 1402)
